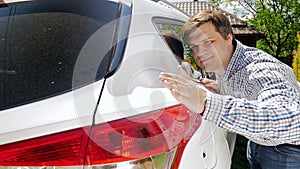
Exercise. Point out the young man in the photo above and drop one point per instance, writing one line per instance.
(257, 95)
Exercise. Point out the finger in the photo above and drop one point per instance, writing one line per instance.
(167, 84)
(182, 72)
(171, 84)
(205, 81)
(175, 90)
(212, 85)
(165, 74)
(177, 94)
(171, 78)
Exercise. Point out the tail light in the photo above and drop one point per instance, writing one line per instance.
(155, 138)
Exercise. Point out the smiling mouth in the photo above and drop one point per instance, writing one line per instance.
(206, 59)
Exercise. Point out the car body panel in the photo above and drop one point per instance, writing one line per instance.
(135, 84)
(64, 112)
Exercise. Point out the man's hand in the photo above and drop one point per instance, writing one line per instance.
(184, 90)
(211, 85)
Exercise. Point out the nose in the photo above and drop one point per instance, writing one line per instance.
(199, 52)
(196, 56)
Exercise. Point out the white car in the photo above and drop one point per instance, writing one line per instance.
(79, 89)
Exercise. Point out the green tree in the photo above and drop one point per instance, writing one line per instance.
(278, 19)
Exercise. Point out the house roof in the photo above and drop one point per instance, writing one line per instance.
(239, 26)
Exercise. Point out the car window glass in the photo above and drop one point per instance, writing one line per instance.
(40, 42)
(170, 30)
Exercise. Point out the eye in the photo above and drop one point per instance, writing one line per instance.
(194, 48)
(207, 42)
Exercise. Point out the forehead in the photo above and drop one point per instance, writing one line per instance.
(204, 31)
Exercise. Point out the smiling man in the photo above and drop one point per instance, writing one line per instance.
(257, 95)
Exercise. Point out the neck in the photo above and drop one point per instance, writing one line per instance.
(228, 56)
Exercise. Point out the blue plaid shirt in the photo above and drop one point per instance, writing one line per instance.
(259, 99)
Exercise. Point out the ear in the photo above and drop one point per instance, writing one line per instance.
(229, 39)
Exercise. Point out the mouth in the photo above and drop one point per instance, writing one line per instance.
(205, 59)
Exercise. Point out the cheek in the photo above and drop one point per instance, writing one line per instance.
(195, 56)
(219, 48)
(215, 51)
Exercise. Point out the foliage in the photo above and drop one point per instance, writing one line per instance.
(278, 19)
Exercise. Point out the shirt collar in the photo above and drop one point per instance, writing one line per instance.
(234, 63)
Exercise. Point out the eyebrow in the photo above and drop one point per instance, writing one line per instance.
(202, 40)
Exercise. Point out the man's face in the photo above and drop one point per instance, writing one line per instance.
(210, 50)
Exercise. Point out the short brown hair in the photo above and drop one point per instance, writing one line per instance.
(217, 18)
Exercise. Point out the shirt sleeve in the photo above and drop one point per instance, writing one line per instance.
(271, 119)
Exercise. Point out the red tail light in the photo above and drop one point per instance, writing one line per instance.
(135, 137)
(59, 149)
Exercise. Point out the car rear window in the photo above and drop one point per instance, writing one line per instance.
(41, 41)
